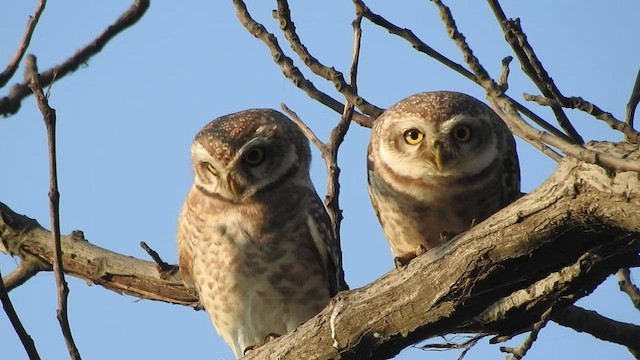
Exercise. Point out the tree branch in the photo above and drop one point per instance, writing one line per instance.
(600, 327)
(10, 104)
(27, 341)
(350, 93)
(289, 70)
(49, 117)
(575, 102)
(628, 287)
(552, 246)
(514, 35)
(634, 99)
(24, 44)
(509, 113)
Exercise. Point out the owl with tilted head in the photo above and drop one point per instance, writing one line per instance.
(438, 163)
(253, 236)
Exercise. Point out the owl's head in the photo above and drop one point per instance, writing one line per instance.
(237, 155)
(437, 135)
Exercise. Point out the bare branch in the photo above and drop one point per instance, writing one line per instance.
(633, 101)
(533, 67)
(502, 104)
(10, 104)
(519, 353)
(287, 26)
(49, 117)
(422, 47)
(24, 237)
(627, 286)
(28, 268)
(25, 338)
(24, 44)
(589, 108)
(289, 70)
(600, 327)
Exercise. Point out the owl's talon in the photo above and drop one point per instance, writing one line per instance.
(446, 236)
(249, 348)
(420, 250)
(402, 261)
(270, 337)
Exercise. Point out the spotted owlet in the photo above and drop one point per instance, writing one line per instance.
(438, 163)
(253, 236)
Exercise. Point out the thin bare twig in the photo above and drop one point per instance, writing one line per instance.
(24, 44)
(422, 47)
(519, 353)
(581, 104)
(10, 104)
(634, 99)
(25, 338)
(164, 269)
(49, 117)
(465, 346)
(289, 70)
(503, 81)
(531, 66)
(502, 103)
(627, 286)
(283, 14)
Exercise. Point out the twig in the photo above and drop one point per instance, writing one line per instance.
(466, 346)
(49, 117)
(590, 322)
(627, 286)
(501, 102)
(26, 340)
(589, 108)
(286, 65)
(10, 104)
(633, 101)
(519, 353)
(531, 66)
(164, 269)
(422, 47)
(24, 44)
(503, 81)
(283, 14)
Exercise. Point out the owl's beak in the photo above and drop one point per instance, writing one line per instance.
(437, 155)
(234, 187)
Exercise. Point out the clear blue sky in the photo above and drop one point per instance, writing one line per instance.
(126, 120)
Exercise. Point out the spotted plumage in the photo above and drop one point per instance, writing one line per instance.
(253, 236)
(438, 163)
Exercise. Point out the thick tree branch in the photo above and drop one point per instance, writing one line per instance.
(10, 104)
(549, 248)
(600, 327)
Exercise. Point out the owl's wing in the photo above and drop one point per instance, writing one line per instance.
(321, 231)
(511, 171)
(184, 246)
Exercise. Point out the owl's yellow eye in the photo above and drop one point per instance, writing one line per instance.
(211, 169)
(254, 156)
(413, 136)
(462, 133)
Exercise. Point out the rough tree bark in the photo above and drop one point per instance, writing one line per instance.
(560, 241)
